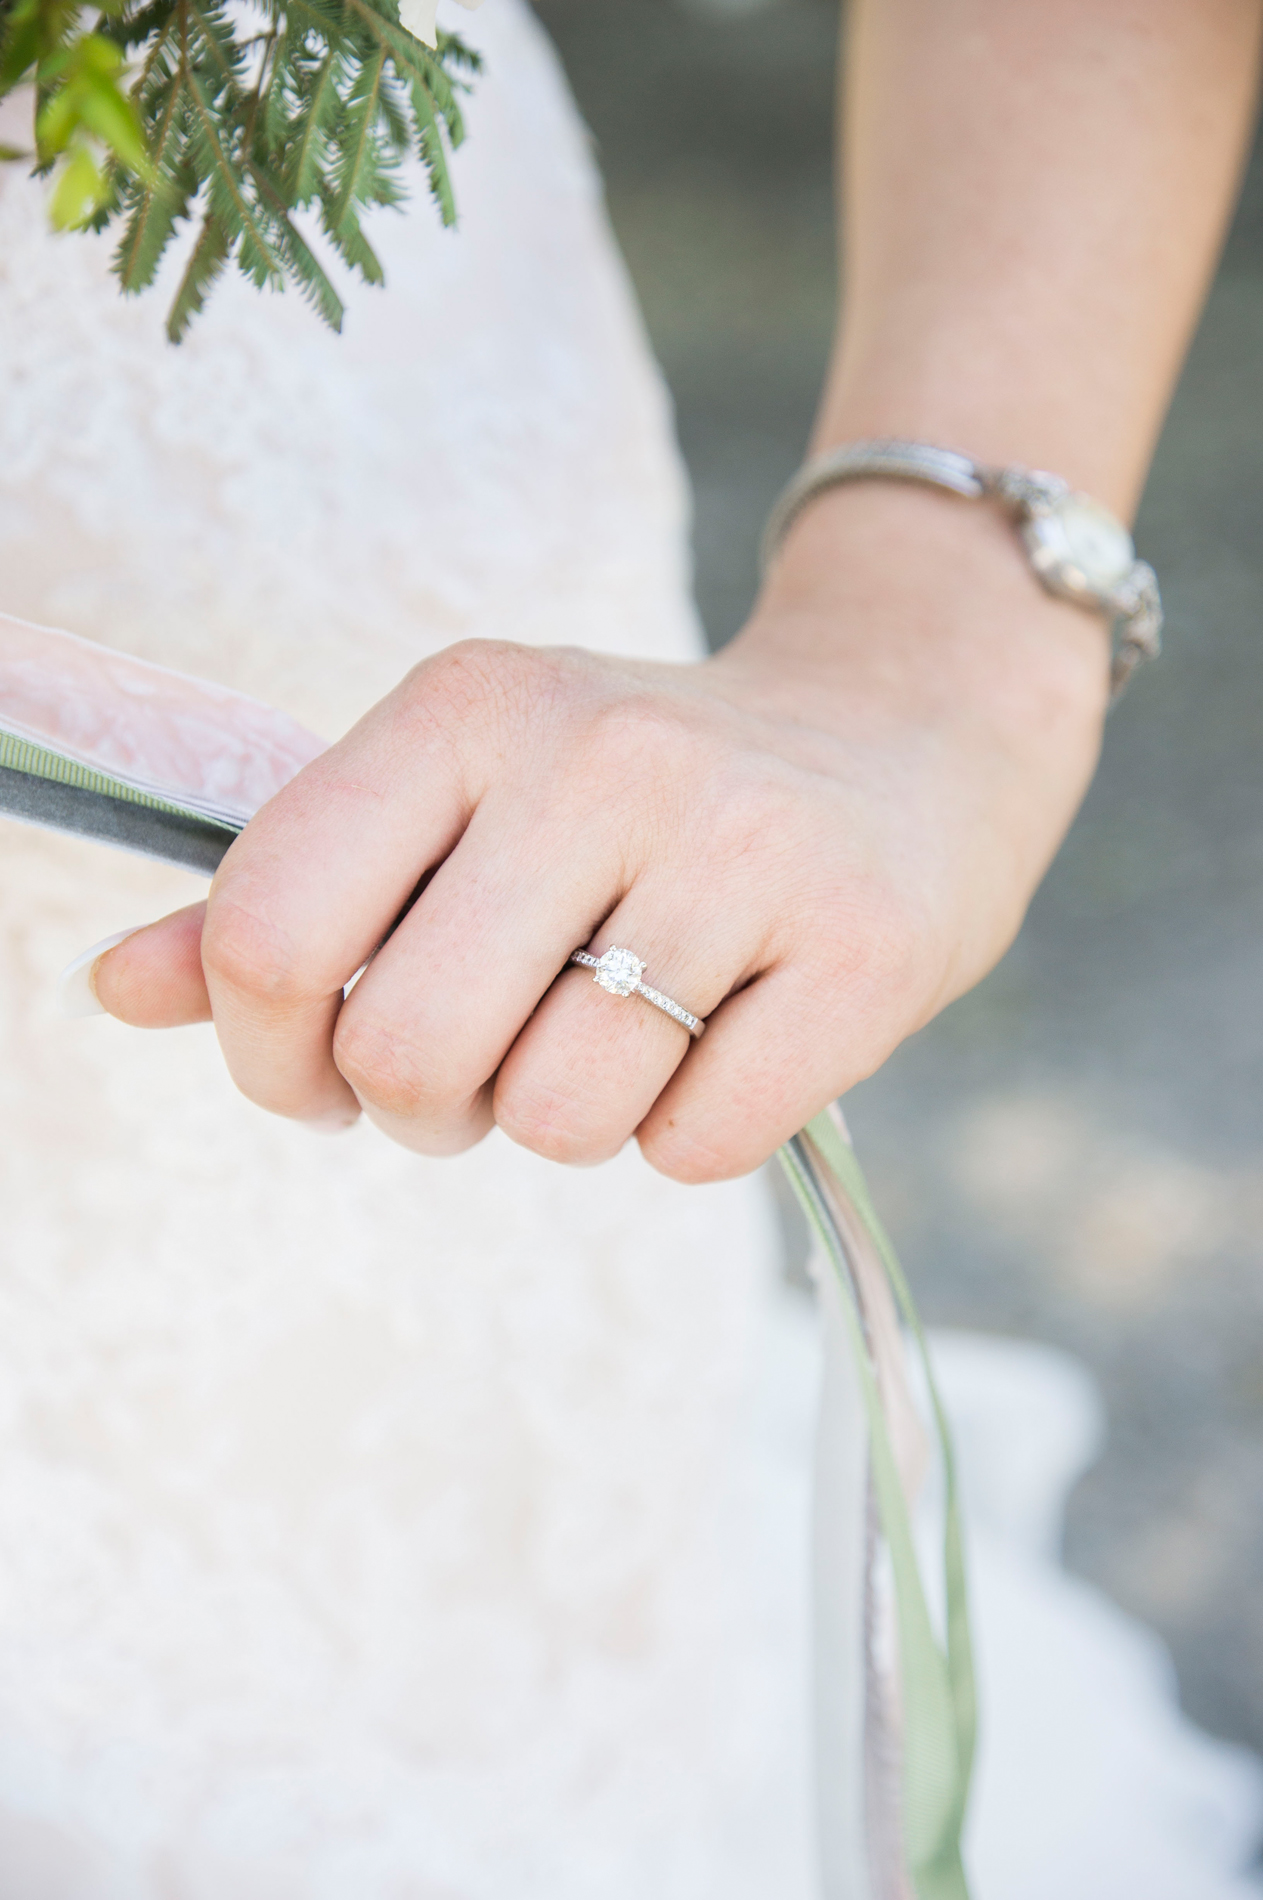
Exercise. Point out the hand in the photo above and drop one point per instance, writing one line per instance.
(815, 840)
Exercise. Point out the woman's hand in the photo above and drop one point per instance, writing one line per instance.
(814, 840)
(823, 835)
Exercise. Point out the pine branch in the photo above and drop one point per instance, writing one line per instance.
(230, 190)
(207, 261)
(164, 112)
(311, 148)
(349, 240)
(306, 271)
(157, 205)
(358, 172)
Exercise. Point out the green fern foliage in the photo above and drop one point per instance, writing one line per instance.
(273, 127)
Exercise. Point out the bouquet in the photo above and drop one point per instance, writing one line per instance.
(269, 131)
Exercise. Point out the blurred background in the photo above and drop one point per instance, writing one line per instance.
(1073, 1153)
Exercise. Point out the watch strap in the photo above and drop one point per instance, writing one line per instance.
(1133, 602)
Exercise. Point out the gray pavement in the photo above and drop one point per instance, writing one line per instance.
(1075, 1151)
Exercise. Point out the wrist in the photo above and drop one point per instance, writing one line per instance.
(987, 408)
(889, 599)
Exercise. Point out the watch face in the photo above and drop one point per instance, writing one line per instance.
(1080, 546)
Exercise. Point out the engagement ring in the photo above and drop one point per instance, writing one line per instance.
(620, 972)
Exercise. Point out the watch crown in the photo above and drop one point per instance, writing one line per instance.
(1026, 489)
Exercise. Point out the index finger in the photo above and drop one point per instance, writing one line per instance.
(316, 880)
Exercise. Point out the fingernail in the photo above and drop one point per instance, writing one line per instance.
(75, 992)
(335, 1124)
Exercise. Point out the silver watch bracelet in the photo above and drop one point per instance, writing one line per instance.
(1078, 550)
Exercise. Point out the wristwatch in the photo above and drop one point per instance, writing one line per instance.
(1078, 549)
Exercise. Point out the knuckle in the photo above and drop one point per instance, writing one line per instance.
(550, 1124)
(647, 771)
(685, 1155)
(394, 1078)
(635, 738)
(480, 683)
(438, 1140)
(863, 980)
(857, 929)
(886, 941)
(750, 817)
(246, 953)
(381, 1067)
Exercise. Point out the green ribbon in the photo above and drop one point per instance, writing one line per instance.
(939, 1703)
(36, 761)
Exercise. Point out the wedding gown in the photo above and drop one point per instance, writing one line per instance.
(371, 1526)
(376, 1528)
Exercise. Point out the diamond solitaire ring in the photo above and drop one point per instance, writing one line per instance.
(620, 972)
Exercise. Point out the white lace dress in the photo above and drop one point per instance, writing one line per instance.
(379, 1529)
(371, 1528)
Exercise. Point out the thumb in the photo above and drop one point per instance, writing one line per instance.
(152, 979)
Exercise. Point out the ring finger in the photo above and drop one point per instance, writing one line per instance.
(589, 1065)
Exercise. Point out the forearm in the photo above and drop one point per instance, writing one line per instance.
(1033, 198)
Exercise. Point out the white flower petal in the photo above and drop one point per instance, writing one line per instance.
(417, 18)
(471, 4)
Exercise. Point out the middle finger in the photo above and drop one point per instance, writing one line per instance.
(423, 1033)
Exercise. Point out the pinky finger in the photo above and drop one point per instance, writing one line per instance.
(766, 1065)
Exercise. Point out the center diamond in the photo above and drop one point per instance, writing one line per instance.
(618, 971)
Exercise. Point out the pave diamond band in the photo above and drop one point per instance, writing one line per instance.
(620, 972)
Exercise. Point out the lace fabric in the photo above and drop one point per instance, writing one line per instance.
(373, 1527)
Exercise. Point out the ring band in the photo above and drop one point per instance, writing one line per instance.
(620, 972)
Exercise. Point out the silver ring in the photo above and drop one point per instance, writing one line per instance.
(620, 972)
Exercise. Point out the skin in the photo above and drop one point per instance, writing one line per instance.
(822, 835)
